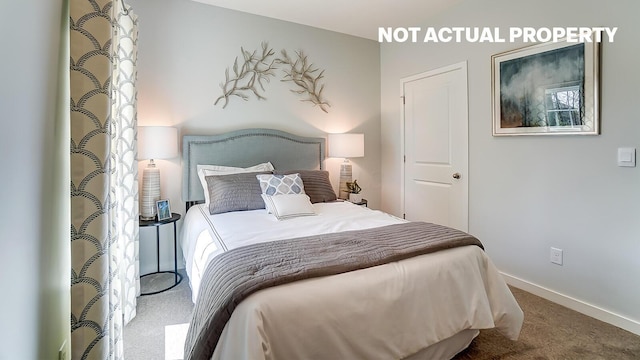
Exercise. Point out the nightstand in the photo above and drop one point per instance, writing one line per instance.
(362, 202)
(177, 277)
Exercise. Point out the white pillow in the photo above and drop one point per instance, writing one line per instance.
(288, 205)
(209, 170)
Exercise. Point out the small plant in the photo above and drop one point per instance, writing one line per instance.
(353, 187)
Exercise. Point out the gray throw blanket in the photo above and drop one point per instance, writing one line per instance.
(236, 274)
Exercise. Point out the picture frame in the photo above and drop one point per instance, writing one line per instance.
(164, 209)
(546, 89)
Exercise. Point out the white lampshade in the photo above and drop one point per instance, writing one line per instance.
(346, 145)
(154, 142)
(157, 142)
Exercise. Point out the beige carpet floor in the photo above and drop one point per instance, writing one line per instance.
(550, 332)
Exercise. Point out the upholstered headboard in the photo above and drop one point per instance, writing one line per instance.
(244, 148)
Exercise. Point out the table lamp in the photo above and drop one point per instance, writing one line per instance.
(345, 146)
(154, 142)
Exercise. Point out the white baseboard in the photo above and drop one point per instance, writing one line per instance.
(575, 304)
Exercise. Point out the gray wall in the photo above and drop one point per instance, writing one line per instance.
(527, 194)
(34, 220)
(184, 49)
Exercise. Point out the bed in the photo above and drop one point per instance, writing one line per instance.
(424, 305)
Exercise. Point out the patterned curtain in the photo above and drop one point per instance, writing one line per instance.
(124, 177)
(104, 205)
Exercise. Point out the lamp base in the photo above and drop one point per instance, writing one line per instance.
(150, 192)
(345, 177)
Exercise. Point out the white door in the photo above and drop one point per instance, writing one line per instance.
(435, 181)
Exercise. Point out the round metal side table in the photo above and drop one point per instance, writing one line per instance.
(157, 223)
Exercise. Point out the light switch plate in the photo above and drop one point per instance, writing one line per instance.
(627, 157)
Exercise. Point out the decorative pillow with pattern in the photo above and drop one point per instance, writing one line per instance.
(316, 184)
(281, 184)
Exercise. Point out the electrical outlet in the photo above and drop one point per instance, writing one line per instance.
(62, 353)
(556, 256)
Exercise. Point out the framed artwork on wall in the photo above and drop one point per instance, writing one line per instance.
(546, 89)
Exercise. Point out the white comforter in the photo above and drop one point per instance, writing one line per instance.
(204, 236)
(385, 312)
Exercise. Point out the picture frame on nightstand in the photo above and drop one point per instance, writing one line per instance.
(164, 209)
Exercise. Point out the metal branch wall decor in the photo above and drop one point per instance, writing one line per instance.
(302, 74)
(250, 76)
(255, 70)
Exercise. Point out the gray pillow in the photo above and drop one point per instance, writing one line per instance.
(316, 184)
(234, 192)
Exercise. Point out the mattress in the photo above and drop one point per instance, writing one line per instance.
(391, 311)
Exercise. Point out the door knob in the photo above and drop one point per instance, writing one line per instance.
(456, 176)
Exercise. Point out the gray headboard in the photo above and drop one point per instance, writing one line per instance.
(244, 148)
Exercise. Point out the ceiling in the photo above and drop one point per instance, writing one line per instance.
(354, 17)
